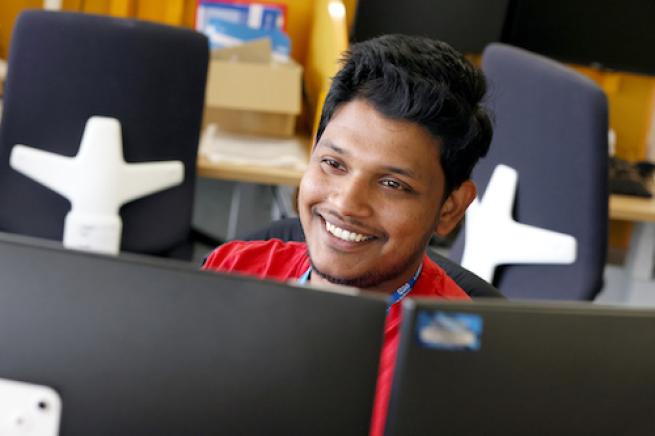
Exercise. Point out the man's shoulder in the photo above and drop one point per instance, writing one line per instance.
(434, 282)
(265, 259)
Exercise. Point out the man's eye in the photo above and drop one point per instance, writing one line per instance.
(392, 184)
(332, 163)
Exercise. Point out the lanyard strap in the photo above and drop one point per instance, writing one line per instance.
(305, 277)
(398, 294)
(405, 289)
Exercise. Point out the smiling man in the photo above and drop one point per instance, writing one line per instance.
(401, 130)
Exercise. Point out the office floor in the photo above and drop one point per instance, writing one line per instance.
(212, 211)
(619, 289)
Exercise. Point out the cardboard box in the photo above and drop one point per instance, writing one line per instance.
(253, 97)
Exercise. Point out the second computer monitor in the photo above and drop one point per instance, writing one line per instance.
(523, 369)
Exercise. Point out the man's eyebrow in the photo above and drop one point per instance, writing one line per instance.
(329, 144)
(402, 171)
(389, 168)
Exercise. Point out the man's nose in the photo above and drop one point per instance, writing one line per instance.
(352, 197)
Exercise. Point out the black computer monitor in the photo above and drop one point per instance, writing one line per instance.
(468, 25)
(612, 34)
(138, 346)
(507, 368)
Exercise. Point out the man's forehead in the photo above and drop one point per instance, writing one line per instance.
(357, 127)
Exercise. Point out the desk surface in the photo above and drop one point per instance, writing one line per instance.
(231, 166)
(623, 207)
(248, 173)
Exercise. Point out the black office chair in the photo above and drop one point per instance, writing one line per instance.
(66, 67)
(289, 229)
(551, 126)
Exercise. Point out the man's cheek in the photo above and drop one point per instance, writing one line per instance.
(312, 189)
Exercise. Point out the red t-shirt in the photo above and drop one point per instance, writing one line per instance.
(286, 261)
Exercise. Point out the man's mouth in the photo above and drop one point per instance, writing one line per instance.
(346, 235)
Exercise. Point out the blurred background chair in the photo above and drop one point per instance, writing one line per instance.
(67, 67)
(551, 126)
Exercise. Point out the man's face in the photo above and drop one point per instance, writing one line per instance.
(371, 198)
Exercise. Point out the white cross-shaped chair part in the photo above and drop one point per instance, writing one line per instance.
(493, 238)
(97, 182)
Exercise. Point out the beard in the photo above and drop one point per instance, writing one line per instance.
(375, 278)
(369, 280)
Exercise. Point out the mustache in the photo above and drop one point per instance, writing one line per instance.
(361, 227)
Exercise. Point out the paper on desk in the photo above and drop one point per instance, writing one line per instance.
(221, 147)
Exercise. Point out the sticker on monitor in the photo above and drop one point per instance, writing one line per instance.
(451, 331)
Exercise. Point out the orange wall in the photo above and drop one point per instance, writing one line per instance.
(631, 99)
(182, 12)
(9, 10)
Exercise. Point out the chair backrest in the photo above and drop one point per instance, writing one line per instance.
(289, 229)
(551, 127)
(67, 67)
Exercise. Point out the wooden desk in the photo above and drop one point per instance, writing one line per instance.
(640, 260)
(248, 173)
(229, 163)
(627, 208)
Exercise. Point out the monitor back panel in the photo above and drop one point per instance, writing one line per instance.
(137, 347)
(518, 369)
(467, 25)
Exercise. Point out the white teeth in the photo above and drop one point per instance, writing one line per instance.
(345, 234)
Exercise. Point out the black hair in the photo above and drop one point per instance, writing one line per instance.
(423, 81)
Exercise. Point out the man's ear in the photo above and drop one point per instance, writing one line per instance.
(453, 209)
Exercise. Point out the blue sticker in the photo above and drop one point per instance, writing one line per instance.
(449, 330)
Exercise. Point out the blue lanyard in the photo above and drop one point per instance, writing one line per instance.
(405, 289)
(305, 277)
(398, 294)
